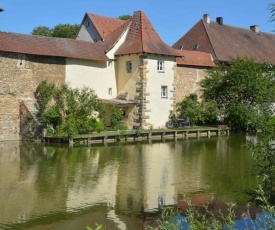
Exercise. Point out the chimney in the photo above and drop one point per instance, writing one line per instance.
(206, 18)
(219, 20)
(255, 29)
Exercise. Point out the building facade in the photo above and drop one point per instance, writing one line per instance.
(124, 62)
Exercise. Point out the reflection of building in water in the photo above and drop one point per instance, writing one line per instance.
(146, 179)
(128, 178)
(21, 194)
(159, 170)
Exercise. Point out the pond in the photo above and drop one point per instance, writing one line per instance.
(46, 186)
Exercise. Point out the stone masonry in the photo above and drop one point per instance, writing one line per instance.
(20, 74)
(187, 81)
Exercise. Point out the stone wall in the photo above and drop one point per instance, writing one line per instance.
(187, 81)
(19, 76)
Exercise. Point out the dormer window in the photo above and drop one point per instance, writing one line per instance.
(196, 47)
(180, 47)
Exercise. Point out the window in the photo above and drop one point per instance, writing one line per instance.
(87, 23)
(160, 66)
(110, 91)
(164, 91)
(196, 47)
(21, 60)
(129, 66)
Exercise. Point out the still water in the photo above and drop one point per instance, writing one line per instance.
(57, 187)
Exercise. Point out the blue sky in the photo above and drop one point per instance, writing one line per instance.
(171, 18)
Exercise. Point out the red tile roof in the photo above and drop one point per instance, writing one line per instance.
(226, 42)
(142, 38)
(49, 46)
(195, 58)
(105, 25)
(112, 38)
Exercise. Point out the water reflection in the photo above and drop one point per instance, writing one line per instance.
(57, 187)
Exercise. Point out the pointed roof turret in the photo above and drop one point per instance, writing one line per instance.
(142, 38)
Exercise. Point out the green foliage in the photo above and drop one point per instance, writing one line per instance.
(190, 107)
(69, 111)
(264, 155)
(195, 219)
(271, 7)
(42, 31)
(198, 112)
(60, 30)
(165, 221)
(124, 17)
(116, 117)
(242, 90)
(65, 31)
(138, 133)
(97, 227)
(44, 94)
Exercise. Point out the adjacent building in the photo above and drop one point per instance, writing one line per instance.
(225, 42)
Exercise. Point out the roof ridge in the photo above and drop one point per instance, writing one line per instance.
(141, 26)
(241, 28)
(143, 38)
(203, 22)
(102, 16)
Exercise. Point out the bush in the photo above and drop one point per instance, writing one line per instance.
(69, 111)
(198, 112)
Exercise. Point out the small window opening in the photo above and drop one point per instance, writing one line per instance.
(164, 91)
(160, 66)
(21, 60)
(110, 91)
(196, 47)
(129, 66)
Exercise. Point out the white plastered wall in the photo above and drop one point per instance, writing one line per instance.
(97, 75)
(121, 39)
(88, 33)
(126, 81)
(160, 107)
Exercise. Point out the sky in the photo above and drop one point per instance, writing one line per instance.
(171, 18)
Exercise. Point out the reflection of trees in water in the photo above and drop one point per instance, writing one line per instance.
(222, 165)
(137, 174)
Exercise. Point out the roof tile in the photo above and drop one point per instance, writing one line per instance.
(105, 25)
(226, 42)
(195, 58)
(49, 46)
(142, 38)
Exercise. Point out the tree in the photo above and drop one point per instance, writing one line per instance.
(61, 31)
(69, 111)
(116, 117)
(65, 31)
(271, 7)
(243, 90)
(198, 112)
(124, 17)
(42, 31)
